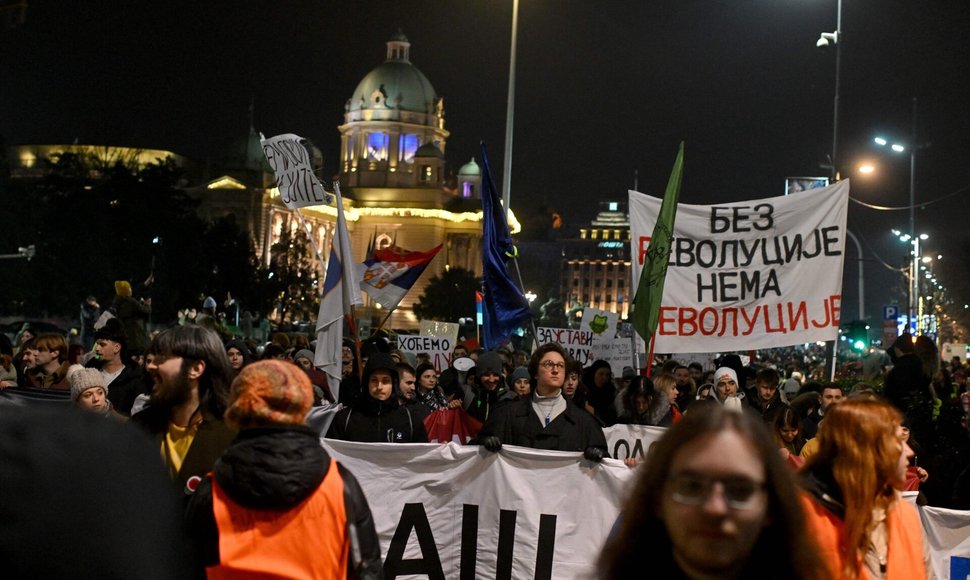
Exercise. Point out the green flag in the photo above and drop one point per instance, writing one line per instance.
(650, 288)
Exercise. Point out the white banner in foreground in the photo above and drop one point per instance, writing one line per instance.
(747, 275)
(447, 511)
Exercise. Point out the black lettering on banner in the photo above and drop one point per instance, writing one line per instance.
(546, 548)
(766, 215)
(719, 224)
(794, 250)
(831, 241)
(749, 255)
(701, 287)
(616, 449)
(469, 541)
(711, 248)
(771, 285)
(818, 246)
(413, 517)
(726, 286)
(684, 247)
(506, 544)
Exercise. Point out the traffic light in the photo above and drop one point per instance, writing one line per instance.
(857, 334)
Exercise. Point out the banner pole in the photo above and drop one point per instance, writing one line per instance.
(653, 340)
(532, 320)
(309, 235)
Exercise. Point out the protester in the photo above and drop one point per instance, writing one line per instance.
(239, 355)
(546, 420)
(321, 385)
(428, 393)
(90, 312)
(89, 392)
(667, 384)
(123, 379)
(50, 362)
(184, 417)
(377, 416)
(491, 392)
(408, 387)
(601, 395)
(520, 382)
(863, 526)
(787, 430)
(84, 498)
(713, 500)
(276, 503)
(644, 404)
(765, 398)
(132, 313)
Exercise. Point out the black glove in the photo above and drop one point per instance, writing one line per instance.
(594, 454)
(491, 442)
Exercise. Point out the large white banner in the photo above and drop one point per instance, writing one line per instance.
(451, 511)
(747, 275)
(948, 534)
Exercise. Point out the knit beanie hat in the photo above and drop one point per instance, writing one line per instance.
(520, 373)
(82, 379)
(489, 362)
(123, 288)
(305, 353)
(269, 392)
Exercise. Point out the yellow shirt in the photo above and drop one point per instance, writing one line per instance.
(810, 448)
(176, 444)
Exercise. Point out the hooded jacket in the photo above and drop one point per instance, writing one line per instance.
(277, 469)
(373, 421)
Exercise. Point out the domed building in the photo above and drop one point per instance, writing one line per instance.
(392, 177)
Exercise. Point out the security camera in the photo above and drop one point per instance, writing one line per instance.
(827, 38)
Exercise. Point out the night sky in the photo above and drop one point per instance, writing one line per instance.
(602, 89)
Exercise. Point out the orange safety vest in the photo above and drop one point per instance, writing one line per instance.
(905, 556)
(306, 541)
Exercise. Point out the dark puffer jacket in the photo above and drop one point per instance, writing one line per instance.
(277, 468)
(373, 421)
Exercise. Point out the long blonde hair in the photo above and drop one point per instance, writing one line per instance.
(859, 442)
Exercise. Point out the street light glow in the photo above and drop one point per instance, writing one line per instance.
(866, 169)
(898, 148)
(880, 141)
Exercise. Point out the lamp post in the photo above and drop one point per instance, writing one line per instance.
(824, 40)
(913, 147)
(509, 114)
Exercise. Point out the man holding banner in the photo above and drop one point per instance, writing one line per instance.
(546, 420)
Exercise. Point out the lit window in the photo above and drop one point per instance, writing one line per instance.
(377, 147)
(594, 234)
(408, 145)
(467, 189)
(426, 173)
(613, 206)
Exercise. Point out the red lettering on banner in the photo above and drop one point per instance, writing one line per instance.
(644, 243)
(751, 322)
(724, 323)
(703, 317)
(795, 315)
(686, 317)
(828, 316)
(781, 320)
(668, 316)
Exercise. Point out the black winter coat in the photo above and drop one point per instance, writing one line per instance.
(373, 421)
(517, 424)
(277, 468)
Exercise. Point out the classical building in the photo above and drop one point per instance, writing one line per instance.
(392, 172)
(393, 178)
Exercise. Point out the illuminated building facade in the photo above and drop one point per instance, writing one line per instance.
(596, 266)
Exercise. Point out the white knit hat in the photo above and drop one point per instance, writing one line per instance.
(82, 379)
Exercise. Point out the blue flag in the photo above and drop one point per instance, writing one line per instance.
(504, 306)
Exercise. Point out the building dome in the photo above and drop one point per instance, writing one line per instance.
(470, 168)
(429, 150)
(395, 84)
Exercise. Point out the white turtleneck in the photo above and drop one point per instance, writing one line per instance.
(549, 407)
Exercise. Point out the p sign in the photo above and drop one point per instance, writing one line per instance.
(890, 312)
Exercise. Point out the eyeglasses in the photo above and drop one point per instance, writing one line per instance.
(740, 493)
(549, 365)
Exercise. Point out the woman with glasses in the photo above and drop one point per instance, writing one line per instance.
(714, 500)
(545, 419)
(854, 509)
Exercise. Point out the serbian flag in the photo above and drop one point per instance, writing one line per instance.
(390, 272)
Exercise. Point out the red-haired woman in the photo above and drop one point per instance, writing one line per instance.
(854, 510)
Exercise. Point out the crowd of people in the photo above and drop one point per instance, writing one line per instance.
(716, 497)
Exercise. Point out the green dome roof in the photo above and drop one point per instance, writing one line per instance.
(470, 168)
(395, 84)
(429, 150)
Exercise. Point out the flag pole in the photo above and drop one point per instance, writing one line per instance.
(532, 320)
(309, 235)
(353, 310)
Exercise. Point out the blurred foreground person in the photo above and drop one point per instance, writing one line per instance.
(714, 500)
(276, 504)
(864, 527)
(84, 498)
